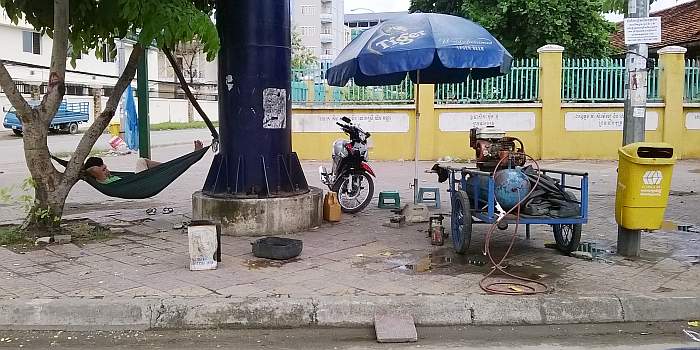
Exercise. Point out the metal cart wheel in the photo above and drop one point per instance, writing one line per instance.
(461, 222)
(567, 236)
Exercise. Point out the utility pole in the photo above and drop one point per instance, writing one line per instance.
(629, 241)
(143, 118)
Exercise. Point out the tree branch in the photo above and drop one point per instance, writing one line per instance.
(98, 127)
(59, 55)
(24, 110)
(188, 93)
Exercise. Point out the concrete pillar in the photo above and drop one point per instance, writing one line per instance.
(671, 89)
(550, 94)
(310, 91)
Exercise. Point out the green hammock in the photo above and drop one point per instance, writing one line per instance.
(150, 182)
(147, 183)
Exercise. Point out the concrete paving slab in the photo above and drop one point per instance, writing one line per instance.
(395, 328)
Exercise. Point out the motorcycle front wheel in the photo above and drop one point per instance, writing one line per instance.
(355, 191)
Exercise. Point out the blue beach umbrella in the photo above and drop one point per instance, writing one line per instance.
(431, 48)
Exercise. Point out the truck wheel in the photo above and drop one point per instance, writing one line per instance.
(17, 132)
(73, 128)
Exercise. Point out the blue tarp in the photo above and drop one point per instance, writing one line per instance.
(132, 124)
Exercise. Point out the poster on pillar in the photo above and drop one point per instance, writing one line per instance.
(506, 121)
(275, 107)
(604, 121)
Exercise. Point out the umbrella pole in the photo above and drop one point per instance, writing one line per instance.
(416, 158)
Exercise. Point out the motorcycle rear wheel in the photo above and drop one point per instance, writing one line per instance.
(353, 200)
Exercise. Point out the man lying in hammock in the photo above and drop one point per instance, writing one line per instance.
(95, 167)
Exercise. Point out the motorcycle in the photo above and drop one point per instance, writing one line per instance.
(351, 176)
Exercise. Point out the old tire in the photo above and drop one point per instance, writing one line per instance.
(73, 128)
(461, 222)
(567, 236)
(277, 248)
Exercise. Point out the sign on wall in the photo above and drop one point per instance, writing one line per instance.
(371, 122)
(506, 121)
(604, 121)
(692, 121)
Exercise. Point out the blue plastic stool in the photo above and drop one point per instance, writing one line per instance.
(393, 197)
(435, 200)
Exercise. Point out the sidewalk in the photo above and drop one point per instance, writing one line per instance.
(351, 268)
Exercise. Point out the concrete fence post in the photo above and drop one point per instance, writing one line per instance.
(671, 89)
(550, 57)
(428, 122)
(310, 92)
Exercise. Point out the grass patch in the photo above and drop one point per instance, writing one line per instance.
(9, 235)
(180, 126)
(81, 232)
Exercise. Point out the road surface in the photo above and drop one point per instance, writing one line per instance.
(602, 336)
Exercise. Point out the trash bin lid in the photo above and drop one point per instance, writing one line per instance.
(648, 153)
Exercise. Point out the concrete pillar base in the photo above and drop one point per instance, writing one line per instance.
(261, 217)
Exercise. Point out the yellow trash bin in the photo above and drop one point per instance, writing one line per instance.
(643, 183)
(114, 129)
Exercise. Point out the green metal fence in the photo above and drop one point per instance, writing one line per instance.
(601, 80)
(352, 94)
(346, 95)
(692, 80)
(583, 80)
(522, 84)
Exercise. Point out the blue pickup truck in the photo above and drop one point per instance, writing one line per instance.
(67, 118)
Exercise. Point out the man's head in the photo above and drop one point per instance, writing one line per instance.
(96, 168)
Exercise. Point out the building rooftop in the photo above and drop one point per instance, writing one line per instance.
(680, 26)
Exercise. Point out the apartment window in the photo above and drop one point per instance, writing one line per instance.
(308, 10)
(75, 90)
(307, 30)
(109, 52)
(31, 42)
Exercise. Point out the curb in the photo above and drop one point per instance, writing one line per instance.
(196, 313)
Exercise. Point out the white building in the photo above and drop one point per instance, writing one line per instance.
(320, 24)
(27, 56)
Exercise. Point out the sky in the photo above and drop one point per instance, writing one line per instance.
(376, 5)
(361, 6)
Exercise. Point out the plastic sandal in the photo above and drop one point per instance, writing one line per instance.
(151, 211)
(167, 210)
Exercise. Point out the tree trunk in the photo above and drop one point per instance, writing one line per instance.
(50, 189)
(51, 186)
(190, 112)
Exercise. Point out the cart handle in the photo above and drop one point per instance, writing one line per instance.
(576, 173)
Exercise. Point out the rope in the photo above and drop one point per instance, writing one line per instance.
(520, 287)
(185, 87)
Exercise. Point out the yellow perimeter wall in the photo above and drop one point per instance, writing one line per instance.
(549, 129)
(436, 143)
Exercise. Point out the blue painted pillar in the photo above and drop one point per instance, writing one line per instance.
(255, 105)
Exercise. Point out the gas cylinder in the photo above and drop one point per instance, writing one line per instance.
(511, 186)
